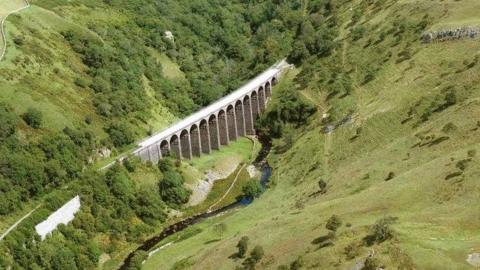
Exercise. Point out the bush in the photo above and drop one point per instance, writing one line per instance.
(380, 231)
(172, 190)
(257, 253)
(33, 117)
(19, 40)
(137, 259)
(121, 134)
(351, 251)
(322, 185)
(88, 120)
(369, 75)
(242, 246)
(255, 256)
(449, 127)
(333, 223)
(390, 176)
(358, 32)
(252, 189)
(80, 82)
(297, 264)
(8, 122)
(370, 264)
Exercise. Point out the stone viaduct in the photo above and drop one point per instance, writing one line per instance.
(215, 125)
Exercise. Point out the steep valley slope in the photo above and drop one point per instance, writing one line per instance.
(396, 139)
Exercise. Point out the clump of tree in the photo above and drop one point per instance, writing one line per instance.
(33, 117)
(252, 189)
(242, 246)
(171, 188)
(255, 256)
(288, 107)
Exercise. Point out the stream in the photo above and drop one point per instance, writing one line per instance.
(260, 162)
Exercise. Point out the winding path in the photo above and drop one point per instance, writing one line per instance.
(17, 223)
(2, 29)
(228, 190)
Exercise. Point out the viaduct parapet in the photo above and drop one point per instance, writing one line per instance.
(218, 124)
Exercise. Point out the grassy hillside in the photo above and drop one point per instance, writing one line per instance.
(405, 150)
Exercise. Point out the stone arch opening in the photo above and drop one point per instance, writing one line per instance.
(274, 81)
(249, 129)
(175, 146)
(268, 90)
(185, 144)
(204, 137)
(222, 127)
(164, 148)
(255, 108)
(239, 116)
(231, 123)
(195, 141)
(261, 99)
(213, 132)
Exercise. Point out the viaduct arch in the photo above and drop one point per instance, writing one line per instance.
(218, 124)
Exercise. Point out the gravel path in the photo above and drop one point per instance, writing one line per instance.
(2, 28)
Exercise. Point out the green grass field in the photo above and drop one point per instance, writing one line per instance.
(437, 210)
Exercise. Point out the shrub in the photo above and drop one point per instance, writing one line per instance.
(449, 127)
(33, 117)
(137, 259)
(131, 163)
(390, 176)
(80, 82)
(252, 189)
(8, 122)
(242, 246)
(370, 264)
(369, 75)
(380, 231)
(120, 134)
(472, 153)
(322, 185)
(257, 253)
(351, 251)
(358, 32)
(19, 40)
(88, 119)
(297, 264)
(333, 223)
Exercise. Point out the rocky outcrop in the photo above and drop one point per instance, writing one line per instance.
(450, 34)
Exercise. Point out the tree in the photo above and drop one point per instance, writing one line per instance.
(8, 122)
(148, 206)
(252, 189)
(172, 190)
(137, 260)
(242, 246)
(121, 134)
(64, 258)
(33, 117)
(333, 223)
(257, 253)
